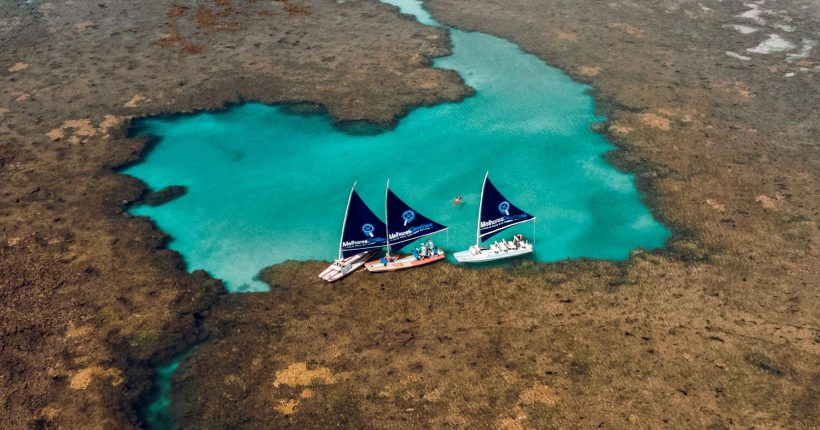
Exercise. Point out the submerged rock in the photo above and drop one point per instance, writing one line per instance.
(599, 127)
(164, 195)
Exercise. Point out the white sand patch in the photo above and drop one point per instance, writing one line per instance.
(297, 374)
(589, 71)
(785, 27)
(135, 101)
(716, 205)
(614, 180)
(754, 13)
(738, 56)
(774, 43)
(538, 394)
(84, 25)
(743, 29)
(18, 67)
(769, 202)
(805, 49)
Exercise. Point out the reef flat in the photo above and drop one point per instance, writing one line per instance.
(712, 104)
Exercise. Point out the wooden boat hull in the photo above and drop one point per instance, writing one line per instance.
(340, 269)
(487, 255)
(406, 262)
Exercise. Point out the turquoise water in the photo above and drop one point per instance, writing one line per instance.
(415, 8)
(156, 415)
(266, 185)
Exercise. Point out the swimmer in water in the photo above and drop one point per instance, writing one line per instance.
(457, 201)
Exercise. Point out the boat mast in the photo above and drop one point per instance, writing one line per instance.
(344, 220)
(480, 204)
(386, 219)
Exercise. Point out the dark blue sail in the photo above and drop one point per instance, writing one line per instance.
(362, 230)
(497, 213)
(404, 224)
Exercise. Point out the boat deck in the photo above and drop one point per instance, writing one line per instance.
(402, 263)
(490, 254)
(341, 268)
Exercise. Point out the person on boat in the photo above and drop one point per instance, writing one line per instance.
(458, 200)
(423, 251)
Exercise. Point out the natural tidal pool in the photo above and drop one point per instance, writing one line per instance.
(267, 185)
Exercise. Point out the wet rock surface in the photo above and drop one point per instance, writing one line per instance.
(90, 297)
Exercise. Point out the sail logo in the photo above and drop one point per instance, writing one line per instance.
(489, 224)
(408, 216)
(412, 231)
(367, 229)
(504, 208)
(355, 244)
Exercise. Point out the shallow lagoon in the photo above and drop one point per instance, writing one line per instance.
(267, 185)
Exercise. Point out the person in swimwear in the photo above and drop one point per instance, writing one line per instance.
(457, 201)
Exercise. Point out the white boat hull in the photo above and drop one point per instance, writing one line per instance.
(341, 268)
(493, 254)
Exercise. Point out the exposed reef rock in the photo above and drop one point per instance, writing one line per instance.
(90, 298)
(536, 346)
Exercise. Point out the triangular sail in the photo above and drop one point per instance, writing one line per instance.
(497, 213)
(404, 224)
(362, 229)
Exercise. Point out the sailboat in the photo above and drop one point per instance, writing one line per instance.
(363, 234)
(405, 225)
(496, 214)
